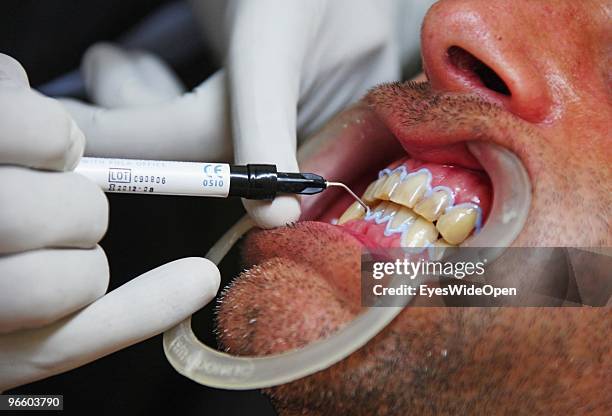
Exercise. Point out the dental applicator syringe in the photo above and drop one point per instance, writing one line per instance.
(201, 179)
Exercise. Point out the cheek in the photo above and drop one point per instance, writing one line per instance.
(379, 371)
(572, 191)
(400, 371)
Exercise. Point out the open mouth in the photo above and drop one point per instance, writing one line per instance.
(430, 178)
(418, 204)
(424, 185)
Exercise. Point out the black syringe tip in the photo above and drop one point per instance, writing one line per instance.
(300, 183)
(264, 182)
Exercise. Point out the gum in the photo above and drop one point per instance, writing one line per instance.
(466, 185)
(373, 233)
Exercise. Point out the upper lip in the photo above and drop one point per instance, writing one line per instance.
(428, 123)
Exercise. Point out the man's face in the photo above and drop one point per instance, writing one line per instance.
(531, 76)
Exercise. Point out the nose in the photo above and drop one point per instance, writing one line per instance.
(479, 47)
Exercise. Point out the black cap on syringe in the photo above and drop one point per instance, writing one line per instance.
(264, 182)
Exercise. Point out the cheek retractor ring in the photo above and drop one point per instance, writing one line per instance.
(207, 366)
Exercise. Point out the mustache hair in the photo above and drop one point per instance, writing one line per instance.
(414, 109)
(416, 103)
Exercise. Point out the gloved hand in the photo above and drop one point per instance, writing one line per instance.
(291, 64)
(54, 315)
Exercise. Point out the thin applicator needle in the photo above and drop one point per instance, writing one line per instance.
(341, 185)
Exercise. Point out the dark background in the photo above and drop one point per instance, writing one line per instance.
(49, 38)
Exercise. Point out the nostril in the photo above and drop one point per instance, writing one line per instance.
(476, 71)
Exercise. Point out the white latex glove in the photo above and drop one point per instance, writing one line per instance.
(291, 65)
(142, 113)
(295, 63)
(54, 315)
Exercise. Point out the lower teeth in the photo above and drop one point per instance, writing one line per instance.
(457, 223)
(354, 212)
(420, 234)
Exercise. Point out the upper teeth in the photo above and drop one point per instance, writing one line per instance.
(387, 186)
(438, 200)
(397, 191)
(368, 196)
(411, 189)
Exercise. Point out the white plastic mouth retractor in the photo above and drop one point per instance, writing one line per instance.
(207, 366)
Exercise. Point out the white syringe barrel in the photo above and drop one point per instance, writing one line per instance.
(157, 176)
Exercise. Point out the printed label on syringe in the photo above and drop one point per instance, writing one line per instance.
(158, 177)
(119, 175)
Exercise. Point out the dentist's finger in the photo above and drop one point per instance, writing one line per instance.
(264, 86)
(12, 73)
(116, 78)
(49, 209)
(140, 309)
(36, 131)
(41, 286)
(192, 127)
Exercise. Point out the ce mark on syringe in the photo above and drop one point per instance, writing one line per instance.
(214, 173)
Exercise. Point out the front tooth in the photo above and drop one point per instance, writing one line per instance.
(457, 224)
(434, 205)
(403, 215)
(438, 249)
(354, 212)
(411, 190)
(368, 196)
(419, 234)
(386, 188)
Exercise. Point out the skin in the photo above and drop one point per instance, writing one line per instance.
(554, 59)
